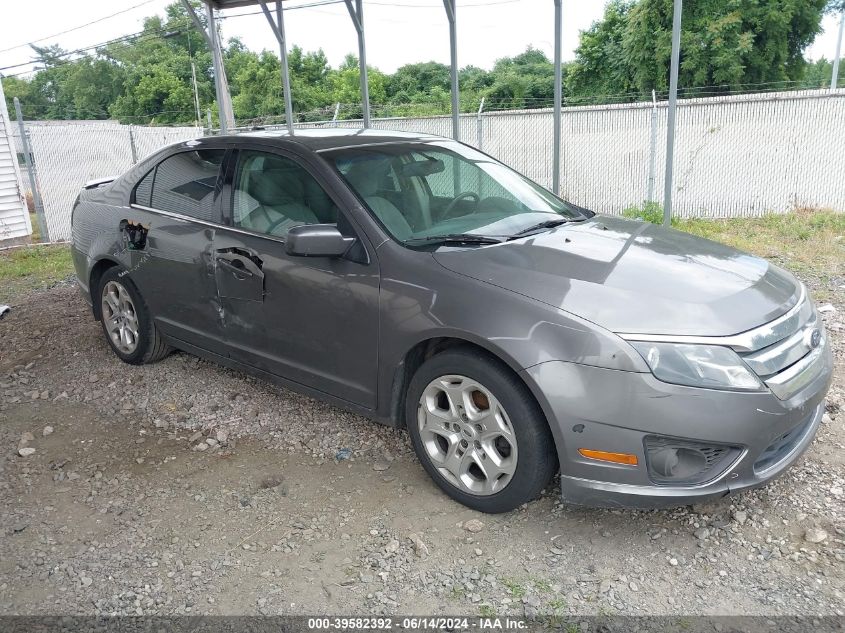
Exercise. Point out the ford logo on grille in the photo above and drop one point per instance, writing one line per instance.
(813, 338)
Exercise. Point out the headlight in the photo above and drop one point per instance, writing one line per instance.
(697, 365)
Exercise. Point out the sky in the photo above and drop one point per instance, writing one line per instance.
(398, 31)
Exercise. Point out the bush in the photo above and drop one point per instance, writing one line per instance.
(648, 212)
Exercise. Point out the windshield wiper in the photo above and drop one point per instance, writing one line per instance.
(457, 238)
(546, 224)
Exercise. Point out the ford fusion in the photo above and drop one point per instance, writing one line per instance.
(421, 283)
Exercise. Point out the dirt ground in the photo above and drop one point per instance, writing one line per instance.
(294, 507)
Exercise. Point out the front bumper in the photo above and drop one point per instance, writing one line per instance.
(610, 410)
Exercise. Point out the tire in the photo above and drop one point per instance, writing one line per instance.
(508, 451)
(139, 342)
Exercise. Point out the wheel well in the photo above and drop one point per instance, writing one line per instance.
(420, 353)
(94, 282)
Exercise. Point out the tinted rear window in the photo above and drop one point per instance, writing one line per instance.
(144, 189)
(184, 183)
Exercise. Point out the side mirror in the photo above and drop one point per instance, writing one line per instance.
(317, 240)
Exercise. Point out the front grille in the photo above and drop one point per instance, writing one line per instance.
(697, 462)
(791, 344)
(779, 449)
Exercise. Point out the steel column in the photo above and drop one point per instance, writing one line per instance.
(278, 29)
(558, 96)
(221, 84)
(451, 14)
(670, 120)
(33, 181)
(356, 12)
(834, 76)
(224, 99)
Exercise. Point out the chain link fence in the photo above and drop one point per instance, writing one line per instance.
(67, 156)
(735, 156)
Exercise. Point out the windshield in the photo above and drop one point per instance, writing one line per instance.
(427, 190)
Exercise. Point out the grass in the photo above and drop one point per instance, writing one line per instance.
(32, 267)
(516, 589)
(809, 240)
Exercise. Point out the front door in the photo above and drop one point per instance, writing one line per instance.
(311, 320)
(176, 203)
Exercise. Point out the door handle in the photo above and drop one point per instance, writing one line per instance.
(232, 267)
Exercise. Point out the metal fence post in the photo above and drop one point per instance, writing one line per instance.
(652, 152)
(670, 118)
(132, 148)
(834, 76)
(558, 97)
(336, 113)
(208, 118)
(479, 124)
(33, 181)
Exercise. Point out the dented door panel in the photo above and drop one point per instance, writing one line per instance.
(175, 274)
(297, 328)
(238, 272)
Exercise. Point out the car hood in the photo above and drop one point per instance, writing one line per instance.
(633, 277)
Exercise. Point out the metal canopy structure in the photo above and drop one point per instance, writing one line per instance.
(356, 13)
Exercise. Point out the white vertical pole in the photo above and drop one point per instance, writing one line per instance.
(834, 76)
(356, 12)
(196, 92)
(558, 96)
(652, 150)
(451, 11)
(670, 122)
(479, 125)
(224, 99)
(362, 64)
(283, 49)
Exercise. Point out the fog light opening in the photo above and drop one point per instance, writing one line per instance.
(677, 463)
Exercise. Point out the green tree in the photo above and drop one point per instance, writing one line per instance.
(523, 81)
(726, 45)
(818, 74)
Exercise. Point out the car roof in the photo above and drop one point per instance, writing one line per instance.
(332, 138)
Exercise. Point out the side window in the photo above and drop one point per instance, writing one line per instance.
(144, 189)
(184, 183)
(272, 194)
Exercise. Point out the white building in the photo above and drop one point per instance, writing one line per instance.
(14, 215)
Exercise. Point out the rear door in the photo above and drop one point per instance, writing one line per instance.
(178, 204)
(312, 320)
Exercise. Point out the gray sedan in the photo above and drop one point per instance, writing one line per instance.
(417, 281)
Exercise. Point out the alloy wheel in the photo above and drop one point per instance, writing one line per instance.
(467, 435)
(120, 317)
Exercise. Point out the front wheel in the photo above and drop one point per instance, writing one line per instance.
(478, 431)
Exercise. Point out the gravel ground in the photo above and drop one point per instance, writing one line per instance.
(184, 487)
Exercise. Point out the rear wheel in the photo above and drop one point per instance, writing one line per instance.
(478, 432)
(126, 320)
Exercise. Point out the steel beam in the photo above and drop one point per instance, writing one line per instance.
(356, 12)
(278, 29)
(451, 14)
(558, 96)
(221, 84)
(834, 76)
(670, 120)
